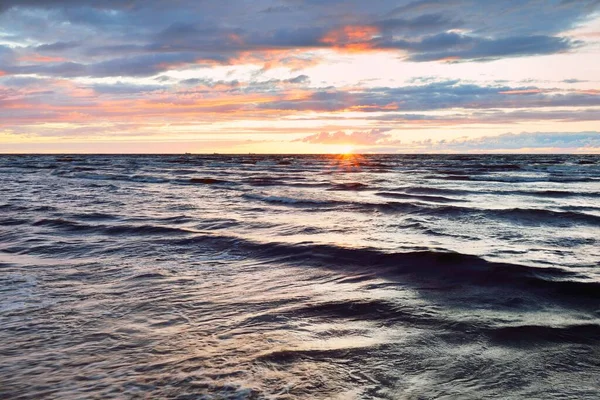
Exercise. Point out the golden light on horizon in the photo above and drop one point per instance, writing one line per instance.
(346, 150)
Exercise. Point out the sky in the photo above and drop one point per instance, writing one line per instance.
(299, 76)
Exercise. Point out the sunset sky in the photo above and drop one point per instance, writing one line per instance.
(299, 76)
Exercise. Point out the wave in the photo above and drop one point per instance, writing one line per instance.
(62, 224)
(177, 219)
(73, 226)
(587, 162)
(496, 167)
(68, 159)
(313, 204)
(10, 221)
(519, 216)
(466, 192)
(534, 334)
(448, 268)
(207, 181)
(436, 191)
(93, 216)
(85, 169)
(147, 179)
(143, 230)
(449, 177)
(16, 168)
(264, 180)
(12, 207)
(547, 217)
(291, 200)
(390, 312)
(581, 209)
(511, 179)
(350, 186)
(551, 193)
(111, 177)
(150, 275)
(433, 199)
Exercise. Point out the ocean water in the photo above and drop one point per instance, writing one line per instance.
(300, 277)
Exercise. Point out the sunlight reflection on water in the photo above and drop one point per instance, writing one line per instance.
(357, 276)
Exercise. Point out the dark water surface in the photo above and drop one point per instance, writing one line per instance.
(312, 277)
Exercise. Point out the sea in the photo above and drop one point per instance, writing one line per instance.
(299, 276)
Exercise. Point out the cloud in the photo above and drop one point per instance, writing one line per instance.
(526, 140)
(57, 46)
(7, 55)
(121, 88)
(299, 79)
(455, 47)
(122, 38)
(420, 24)
(209, 83)
(436, 96)
(378, 141)
(435, 104)
(357, 138)
(487, 117)
(187, 61)
(136, 66)
(573, 81)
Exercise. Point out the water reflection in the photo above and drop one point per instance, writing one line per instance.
(299, 277)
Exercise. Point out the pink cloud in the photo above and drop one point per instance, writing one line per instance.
(358, 138)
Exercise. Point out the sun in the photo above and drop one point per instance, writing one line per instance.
(347, 150)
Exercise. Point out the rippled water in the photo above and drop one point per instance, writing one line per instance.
(368, 277)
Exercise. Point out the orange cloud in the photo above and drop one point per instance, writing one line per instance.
(164, 107)
(275, 58)
(358, 138)
(351, 37)
(387, 107)
(450, 60)
(589, 91)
